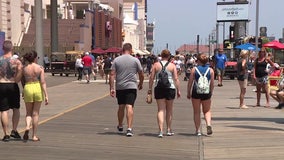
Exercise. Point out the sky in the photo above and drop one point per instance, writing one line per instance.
(178, 22)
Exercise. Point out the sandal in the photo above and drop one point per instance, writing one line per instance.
(26, 135)
(36, 139)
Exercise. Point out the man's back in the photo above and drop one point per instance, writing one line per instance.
(126, 68)
(87, 61)
(8, 69)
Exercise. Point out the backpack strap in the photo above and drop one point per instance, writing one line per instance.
(164, 67)
(205, 74)
(208, 69)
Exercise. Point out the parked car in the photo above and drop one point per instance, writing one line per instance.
(64, 63)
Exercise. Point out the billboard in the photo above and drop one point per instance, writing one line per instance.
(2, 39)
(231, 11)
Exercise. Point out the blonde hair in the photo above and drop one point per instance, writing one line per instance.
(244, 53)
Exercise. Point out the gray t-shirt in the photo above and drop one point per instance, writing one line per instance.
(126, 68)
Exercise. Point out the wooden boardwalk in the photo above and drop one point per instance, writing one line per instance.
(80, 123)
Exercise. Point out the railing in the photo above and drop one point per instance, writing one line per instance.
(23, 32)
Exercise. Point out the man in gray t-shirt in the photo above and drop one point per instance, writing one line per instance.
(124, 70)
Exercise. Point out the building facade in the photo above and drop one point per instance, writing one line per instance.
(98, 23)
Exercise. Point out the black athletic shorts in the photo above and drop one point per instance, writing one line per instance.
(164, 93)
(9, 96)
(127, 96)
(202, 97)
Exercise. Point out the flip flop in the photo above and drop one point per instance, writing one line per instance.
(36, 140)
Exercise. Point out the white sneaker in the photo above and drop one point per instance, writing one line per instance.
(170, 133)
(160, 135)
(198, 134)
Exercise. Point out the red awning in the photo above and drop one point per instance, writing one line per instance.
(274, 44)
(98, 51)
(113, 50)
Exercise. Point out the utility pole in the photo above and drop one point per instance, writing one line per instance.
(39, 38)
(256, 23)
(217, 35)
(54, 26)
(197, 43)
(240, 26)
(209, 45)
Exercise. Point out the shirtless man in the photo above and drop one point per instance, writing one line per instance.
(10, 75)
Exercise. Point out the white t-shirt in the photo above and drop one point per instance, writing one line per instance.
(177, 63)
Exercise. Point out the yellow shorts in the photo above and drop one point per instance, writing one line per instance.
(33, 92)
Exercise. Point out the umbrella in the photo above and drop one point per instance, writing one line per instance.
(113, 50)
(98, 51)
(246, 46)
(274, 44)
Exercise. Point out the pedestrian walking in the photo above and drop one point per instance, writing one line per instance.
(164, 94)
(107, 67)
(34, 92)
(200, 89)
(87, 66)
(261, 76)
(79, 66)
(123, 71)
(220, 60)
(46, 62)
(242, 73)
(10, 75)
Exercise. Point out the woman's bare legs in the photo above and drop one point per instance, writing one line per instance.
(32, 116)
(266, 90)
(29, 111)
(35, 117)
(169, 114)
(161, 113)
(206, 106)
(258, 94)
(196, 116)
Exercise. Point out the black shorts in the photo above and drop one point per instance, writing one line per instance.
(87, 70)
(202, 97)
(9, 96)
(127, 96)
(107, 71)
(164, 93)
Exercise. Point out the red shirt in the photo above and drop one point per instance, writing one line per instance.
(87, 61)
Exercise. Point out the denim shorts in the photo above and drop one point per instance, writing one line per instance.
(262, 80)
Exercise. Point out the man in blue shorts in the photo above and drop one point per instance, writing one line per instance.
(126, 85)
(221, 59)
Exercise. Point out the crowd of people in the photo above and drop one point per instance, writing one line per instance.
(31, 75)
(200, 84)
(164, 85)
(164, 78)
